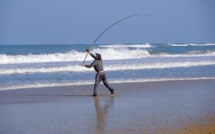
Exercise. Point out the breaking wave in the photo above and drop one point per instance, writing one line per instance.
(108, 53)
(191, 44)
(115, 67)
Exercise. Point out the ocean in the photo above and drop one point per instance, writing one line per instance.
(29, 66)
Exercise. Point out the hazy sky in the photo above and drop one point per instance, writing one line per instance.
(81, 21)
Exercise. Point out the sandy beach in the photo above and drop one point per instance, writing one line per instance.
(168, 107)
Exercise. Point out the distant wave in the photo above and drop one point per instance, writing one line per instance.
(179, 45)
(30, 58)
(206, 44)
(107, 54)
(192, 44)
(147, 45)
(40, 85)
(189, 54)
(115, 67)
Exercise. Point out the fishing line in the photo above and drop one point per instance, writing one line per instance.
(112, 26)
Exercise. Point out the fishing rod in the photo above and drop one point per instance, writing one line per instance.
(112, 26)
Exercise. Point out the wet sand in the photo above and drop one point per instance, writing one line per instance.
(173, 107)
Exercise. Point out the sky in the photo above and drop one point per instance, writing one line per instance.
(81, 21)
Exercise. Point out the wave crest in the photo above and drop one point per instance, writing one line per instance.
(107, 54)
(115, 67)
(147, 45)
(191, 44)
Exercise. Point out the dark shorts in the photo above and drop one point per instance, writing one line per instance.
(101, 77)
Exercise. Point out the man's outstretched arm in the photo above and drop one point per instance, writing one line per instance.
(89, 66)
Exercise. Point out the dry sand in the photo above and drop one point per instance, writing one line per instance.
(173, 107)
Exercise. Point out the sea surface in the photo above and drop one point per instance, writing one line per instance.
(28, 66)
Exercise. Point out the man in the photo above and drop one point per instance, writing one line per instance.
(100, 75)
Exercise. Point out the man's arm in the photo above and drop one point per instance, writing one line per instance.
(91, 65)
(88, 50)
(92, 55)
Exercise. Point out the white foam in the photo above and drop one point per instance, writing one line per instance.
(41, 85)
(206, 44)
(115, 67)
(163, 79)
(107, 54)
(157, 65)
(30, 58)
(189, 54)
(192, 44)
(121, 53)
(178, 45)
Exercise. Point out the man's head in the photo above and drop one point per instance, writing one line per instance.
(98, 56)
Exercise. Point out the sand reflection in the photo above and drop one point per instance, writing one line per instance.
(103, 107)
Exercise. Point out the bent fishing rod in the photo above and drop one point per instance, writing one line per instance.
(112, 26)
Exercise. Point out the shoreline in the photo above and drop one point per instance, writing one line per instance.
(167, 107)
(92, 82)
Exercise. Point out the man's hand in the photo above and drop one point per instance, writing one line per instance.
(83, 65)
(88, 50)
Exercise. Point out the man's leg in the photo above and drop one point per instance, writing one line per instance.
(97, 82)
(104, 80)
